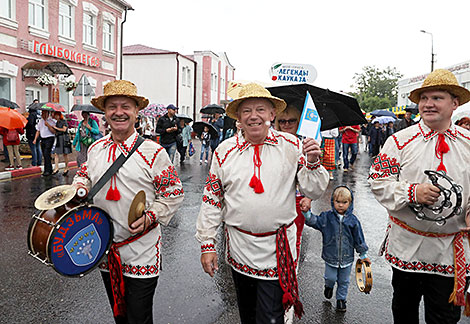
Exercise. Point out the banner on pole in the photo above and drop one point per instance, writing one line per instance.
(310, 122)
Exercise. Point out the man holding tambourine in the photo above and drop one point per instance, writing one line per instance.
(427, 235)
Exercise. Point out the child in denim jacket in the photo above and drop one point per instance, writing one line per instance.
(342, 233)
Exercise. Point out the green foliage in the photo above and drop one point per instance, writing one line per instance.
(375, 88)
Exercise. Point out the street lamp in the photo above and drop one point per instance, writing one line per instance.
(432, 49)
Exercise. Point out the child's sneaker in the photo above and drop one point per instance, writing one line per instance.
(341, 305)
(205, 162)
(19, 167)
(328, 292)
(9, 168)
(200, 161)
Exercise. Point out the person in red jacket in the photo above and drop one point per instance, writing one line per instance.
(349, 142)
(11, 141)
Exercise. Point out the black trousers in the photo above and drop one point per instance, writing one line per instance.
(408, 288)
(259, 301)
(46, 147)
(139, 299)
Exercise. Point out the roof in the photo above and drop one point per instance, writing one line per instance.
(139, 49)
(124, 4)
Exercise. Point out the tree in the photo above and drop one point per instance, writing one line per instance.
(375, 88)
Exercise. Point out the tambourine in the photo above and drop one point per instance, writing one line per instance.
(445, 203)
(363, 276)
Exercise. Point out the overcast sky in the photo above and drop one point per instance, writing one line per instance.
(338, 38)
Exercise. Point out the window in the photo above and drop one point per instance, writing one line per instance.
(6, 9)
(65, 20)
(188, 77)
(184, 76)
(109, 22)
(37, 13)
(89, 29)
(108, 37)
(5, 88)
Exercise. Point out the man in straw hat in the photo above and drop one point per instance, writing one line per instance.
(428, 259)
(131, 283)
(251, 188)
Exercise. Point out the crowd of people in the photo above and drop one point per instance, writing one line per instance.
(253, 178)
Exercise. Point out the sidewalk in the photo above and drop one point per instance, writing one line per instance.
(32, 170)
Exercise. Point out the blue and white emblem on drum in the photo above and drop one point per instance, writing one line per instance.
(84, 247)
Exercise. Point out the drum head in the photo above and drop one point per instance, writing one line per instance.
(83, 238)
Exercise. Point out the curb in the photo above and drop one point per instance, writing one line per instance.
(5, 175)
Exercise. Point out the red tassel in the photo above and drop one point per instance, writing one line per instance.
(110, 193)
(441, 167)
(287, 300)
(441, 148)
(254, 180)
(298, 309)
(259, 187)
(117, 194)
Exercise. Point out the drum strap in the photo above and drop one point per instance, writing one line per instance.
(112, 170)
(115, 272)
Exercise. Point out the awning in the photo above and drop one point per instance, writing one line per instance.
(35, 69)
(398, 110)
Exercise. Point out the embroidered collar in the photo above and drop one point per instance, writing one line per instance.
(125, 147)
(429, 133)
(243, 144)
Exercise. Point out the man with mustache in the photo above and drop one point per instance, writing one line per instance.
(429, 260)
(148, 169)
(251, 188)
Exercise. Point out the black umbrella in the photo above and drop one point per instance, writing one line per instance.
(87, 107)
(185, 117)
(198, 128)
(212, 109)
(36, 105)
(379, 112)
(8, 103)
(335, 109)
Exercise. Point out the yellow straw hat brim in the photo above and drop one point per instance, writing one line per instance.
(253, 90)
(443, 80)
(119, 88)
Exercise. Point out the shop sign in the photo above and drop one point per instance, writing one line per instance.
(64, 53)
(293, 73)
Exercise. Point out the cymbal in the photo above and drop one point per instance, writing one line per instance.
(137, 207)
(55, 197)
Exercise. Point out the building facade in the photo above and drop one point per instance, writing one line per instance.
(164, 77)
(187, 81)
(405, 86)
(48, 45)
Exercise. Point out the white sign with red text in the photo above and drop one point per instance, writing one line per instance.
(293, 73)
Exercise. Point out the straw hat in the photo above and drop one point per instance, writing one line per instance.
(441, 79)
(253, 90)
(120, 88)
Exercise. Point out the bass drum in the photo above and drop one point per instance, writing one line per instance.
(72, 239)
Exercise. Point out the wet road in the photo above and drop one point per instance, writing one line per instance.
(33, 293)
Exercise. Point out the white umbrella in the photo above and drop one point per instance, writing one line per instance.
(384, 119)
(461, 112)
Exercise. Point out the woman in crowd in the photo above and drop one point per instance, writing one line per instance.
(464, 122)
(62, 142)
(11, 142)
(83, 138)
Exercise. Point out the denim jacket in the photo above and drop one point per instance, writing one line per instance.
(340, 238)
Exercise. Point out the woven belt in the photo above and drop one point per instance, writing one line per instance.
(363, 276)
(285, 268)
(115, 272)
(458, 295)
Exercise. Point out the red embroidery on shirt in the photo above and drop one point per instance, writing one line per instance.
(384, 167)
(296, 143)
(214, 185)
(166, 179)
(221, 162)
(400, 147)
